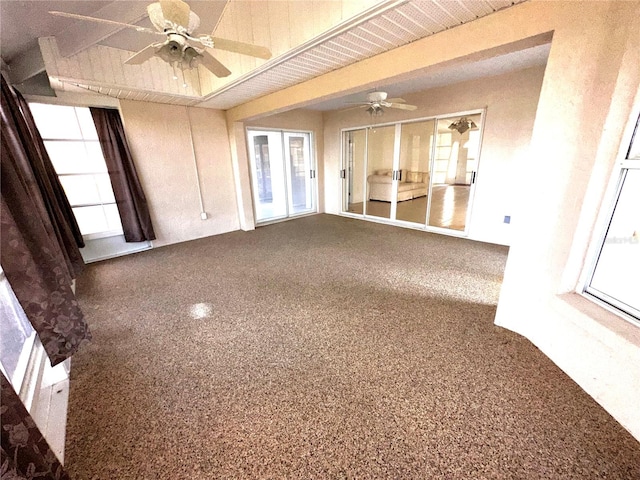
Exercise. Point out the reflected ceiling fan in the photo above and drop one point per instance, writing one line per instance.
(377, 102)
(181, 47)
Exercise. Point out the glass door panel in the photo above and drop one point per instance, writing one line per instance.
(415, 163)
(299, 172)
(453, 173)
(380, 184)
(355, 148)
(269, 186)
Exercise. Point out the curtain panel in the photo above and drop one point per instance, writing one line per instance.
(43, 183)
(130, 198)
(31, 253)
(25, 453)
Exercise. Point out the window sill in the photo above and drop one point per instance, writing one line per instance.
(601, 318)
(96, 236)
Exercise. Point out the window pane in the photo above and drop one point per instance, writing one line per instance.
(87, 126)
(56, 121)
(67, 157)
(619, 262)
(16, 334)
(104, 188)
(80, 189)
(113, 217)
(95, 159)
(91, 219)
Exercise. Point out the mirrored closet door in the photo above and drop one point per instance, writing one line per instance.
(381, 180)
(283, 174)
(416, 142)
(421, 172)
(455, 165)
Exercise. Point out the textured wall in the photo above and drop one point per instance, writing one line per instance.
(159, 138)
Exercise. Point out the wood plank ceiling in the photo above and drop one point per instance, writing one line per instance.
(308, 39)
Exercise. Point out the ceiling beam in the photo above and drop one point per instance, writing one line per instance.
(416, 59)
(26, 65)
(83, 34)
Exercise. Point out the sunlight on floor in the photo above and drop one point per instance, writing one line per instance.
(200, 310)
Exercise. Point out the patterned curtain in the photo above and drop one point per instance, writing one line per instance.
(39, 255)
(31, 254)
(25, 454)
(130, 198)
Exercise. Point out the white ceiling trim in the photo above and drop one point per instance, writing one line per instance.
(388, 25)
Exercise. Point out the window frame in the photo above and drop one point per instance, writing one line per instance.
(631, 144)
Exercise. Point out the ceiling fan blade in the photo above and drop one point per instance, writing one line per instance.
(396, 100)
(176, 11)
(363, 105)
(240, 47)
(213, 65)
(143, 55)
(102, 20)
(154, 10)
(402, 106)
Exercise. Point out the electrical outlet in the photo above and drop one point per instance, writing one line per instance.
(204, 215)
(507, 219)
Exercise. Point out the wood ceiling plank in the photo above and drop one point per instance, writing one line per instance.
(83, 34)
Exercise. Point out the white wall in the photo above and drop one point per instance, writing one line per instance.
(160, 142)
(510, 100)
(589, 97)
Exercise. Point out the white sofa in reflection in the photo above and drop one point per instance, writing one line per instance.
(412, 185)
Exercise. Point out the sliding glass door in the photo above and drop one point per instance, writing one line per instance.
(420, 172)
(300, 173)
(283, 174)
(355, 148)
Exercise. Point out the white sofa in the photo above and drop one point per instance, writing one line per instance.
(412, 185)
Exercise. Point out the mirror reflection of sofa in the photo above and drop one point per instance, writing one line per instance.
(411, 185)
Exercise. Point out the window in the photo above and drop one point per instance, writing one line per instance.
(71, 140)
(614, 278)
(17, 336)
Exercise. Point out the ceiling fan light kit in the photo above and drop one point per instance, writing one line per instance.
(462, 125)
(175, 20)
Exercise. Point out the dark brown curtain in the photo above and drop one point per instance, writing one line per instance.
(31, 253)
(66, 226)
(30, 155)
(130, 198)
(39, 254)
(25, 453)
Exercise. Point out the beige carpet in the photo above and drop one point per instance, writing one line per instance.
(322, 347)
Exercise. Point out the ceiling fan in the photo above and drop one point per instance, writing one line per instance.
(174, 20)
(377, 100)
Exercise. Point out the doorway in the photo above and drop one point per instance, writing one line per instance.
(283, 174)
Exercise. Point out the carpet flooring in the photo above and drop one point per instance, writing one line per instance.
(322, 347)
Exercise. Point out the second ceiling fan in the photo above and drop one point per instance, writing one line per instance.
(181, 47)
(377, 101)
